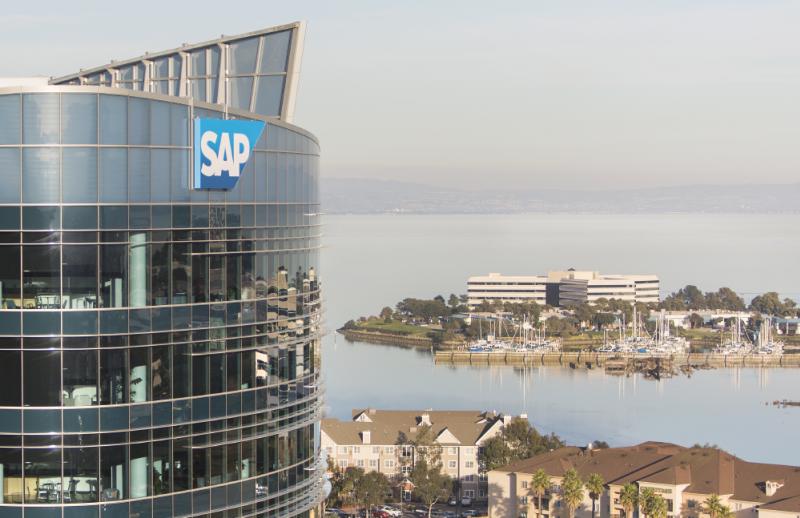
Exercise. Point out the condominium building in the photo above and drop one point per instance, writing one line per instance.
(562, 288)
(159, 293)
(684, 477)
(381, 440)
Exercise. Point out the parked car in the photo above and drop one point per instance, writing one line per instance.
(469, 513)
(421, 511)
(391, 511)
(453, 501)
(466, 501)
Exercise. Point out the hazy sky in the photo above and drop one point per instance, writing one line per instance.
(556, 93)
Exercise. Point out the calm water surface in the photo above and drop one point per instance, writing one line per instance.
(373, 261)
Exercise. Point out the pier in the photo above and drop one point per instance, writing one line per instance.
(614, 362)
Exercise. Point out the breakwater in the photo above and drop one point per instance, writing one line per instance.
(602, 360)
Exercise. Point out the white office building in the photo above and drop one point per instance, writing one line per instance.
(560, 288)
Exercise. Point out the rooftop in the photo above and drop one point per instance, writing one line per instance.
(703, 470)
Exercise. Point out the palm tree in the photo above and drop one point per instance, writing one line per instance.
(571, 491)
(713, 506)
(595, 485)
(725, 512)
(653, 505)
(658, 507)
(645, 500)
(540, 484)
(629, 498)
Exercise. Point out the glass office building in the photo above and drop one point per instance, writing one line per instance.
(159, 344)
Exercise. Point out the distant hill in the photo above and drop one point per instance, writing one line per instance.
(367, 196)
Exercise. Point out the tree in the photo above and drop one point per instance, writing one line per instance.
(653, 505)
(518, 440)
(386, 314)
(371, 489)
(595, 485)
(495, 453)
(696, 321)
(713, 506)
(430, 484)
(572, 491)
(629, 499)
(540, 483)
(453, 302)
(770, 304)
(601, 320)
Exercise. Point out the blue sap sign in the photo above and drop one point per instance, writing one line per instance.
(221, 150)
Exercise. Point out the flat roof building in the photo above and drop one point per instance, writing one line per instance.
(684, 477)
(562, 288)
(159, 332)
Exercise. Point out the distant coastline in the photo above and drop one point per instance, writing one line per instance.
(369, 196)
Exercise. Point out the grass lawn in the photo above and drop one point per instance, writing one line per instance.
(394, 327)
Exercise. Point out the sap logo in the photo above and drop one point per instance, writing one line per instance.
(221, 151)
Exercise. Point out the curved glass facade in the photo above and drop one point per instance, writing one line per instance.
(159, 345)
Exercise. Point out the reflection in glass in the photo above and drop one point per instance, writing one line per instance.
(40, 178)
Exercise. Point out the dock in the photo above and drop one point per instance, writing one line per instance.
(613, 362)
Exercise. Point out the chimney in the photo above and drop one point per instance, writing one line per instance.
(506, 420)
(425, 420)
(366, 436)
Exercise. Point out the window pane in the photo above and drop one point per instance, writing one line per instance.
(40, 118)
(241, 91)
(80, 378)
(113, 473)
(276, 52)
(43, 473)
(159, 175)
(9, 172)
(198, 59)
(42, 378)
(139, 371)
(80, 474)
(80, 276)
(9, 114)
(40, 179)
(11, 467)
(243, 56)
(113, 175)
(9, 278)
(179, 125)
(113, 268)
(10, 370)
(138, 122)
(41, 277)
(80, 175)
(79, 119)
(159, 123)
(113, 119)
(270, 93)
(139, 174)
(112, 376)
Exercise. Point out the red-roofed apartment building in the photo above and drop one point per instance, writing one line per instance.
(684, 477)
